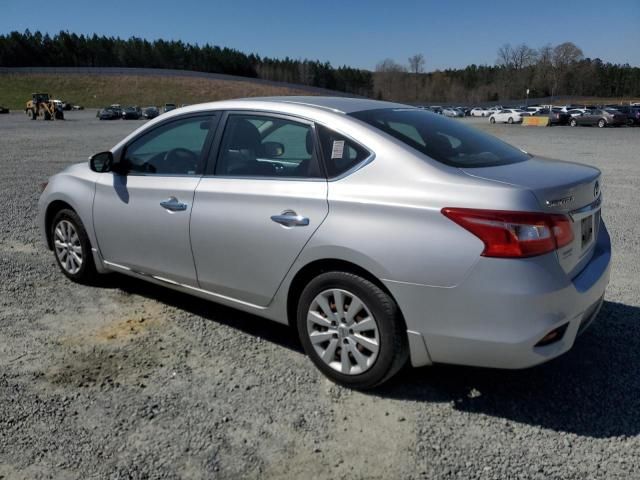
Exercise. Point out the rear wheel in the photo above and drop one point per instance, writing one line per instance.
(602, 123)
(71, 247)
(492, 120)
(573, 122)
(31, 113)
(351, 329)
(510, 120)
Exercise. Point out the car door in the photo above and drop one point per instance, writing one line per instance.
(141, 214)
(257, 206)
(591, 117)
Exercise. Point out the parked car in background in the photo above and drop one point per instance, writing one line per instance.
(531, 110)
(574, 112)
(168, 107)
(452, 112)
(600, 117)
(485, 256)
(150, 112)
(109, 113)
(436, 109)
(77, 107)
(507, 115)
(480, 112)
(556, 117)
(632, 113)
(4, 109)
(131, 113)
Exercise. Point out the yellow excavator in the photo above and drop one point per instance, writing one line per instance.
(41, 106)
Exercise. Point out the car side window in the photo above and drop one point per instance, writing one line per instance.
(171, 149)
(339, 153)
(264, 146)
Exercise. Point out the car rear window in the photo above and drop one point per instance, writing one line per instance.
(446, 141)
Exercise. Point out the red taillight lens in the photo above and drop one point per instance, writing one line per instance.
(514, 234)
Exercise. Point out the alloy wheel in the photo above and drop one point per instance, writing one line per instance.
(67, 246)
(343, 331)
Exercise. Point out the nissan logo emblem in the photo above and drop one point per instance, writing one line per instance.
(596, 189)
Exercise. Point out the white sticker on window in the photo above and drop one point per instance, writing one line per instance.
(337, 149)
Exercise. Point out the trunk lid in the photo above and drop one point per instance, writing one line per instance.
(560, 187)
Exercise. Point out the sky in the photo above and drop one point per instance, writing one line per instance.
(449, 33)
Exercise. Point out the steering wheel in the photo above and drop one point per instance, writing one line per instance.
(181, 160)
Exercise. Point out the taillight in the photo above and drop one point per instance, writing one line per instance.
(514, 234)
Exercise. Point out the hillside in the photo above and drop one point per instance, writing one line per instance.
(101, 90)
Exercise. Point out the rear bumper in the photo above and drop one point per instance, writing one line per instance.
(497, 315)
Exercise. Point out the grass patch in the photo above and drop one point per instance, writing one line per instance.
(101, 90)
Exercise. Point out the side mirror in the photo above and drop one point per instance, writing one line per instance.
(272, 149)
(101, 162)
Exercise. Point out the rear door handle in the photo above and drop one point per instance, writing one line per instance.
(289, 218)
(173, 205)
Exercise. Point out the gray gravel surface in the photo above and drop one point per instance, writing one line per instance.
(130, 380)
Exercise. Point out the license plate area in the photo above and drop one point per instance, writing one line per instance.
(586, 228)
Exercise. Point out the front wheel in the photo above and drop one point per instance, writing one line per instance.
(71, 247)
(351, 329)
(492, 120)
(602, 123)
(573, 122)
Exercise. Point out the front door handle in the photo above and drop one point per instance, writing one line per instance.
(173, 205)
(289, 218)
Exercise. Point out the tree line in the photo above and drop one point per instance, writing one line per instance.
(545, 71)
(71, 50)
(548, 71)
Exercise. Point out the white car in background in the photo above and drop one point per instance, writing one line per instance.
(452, 112)
(480, 112)
(507, 115)
(530, 111)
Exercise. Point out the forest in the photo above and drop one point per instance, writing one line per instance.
(546, 71)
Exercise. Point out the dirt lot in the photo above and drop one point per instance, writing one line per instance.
(130, 380)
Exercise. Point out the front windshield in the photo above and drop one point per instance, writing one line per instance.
(447, 141)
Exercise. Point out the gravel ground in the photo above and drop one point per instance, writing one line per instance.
(130, 380)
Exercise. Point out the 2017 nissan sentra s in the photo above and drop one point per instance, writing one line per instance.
(382, 233)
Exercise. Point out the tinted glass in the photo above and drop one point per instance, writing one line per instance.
(262, 146)
(446, 141)
(340, 153)
(172, 149)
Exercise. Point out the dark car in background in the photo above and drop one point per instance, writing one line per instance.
(632, 113)
(601, 117)
(556, 116)
(109, 113)
(131, 113)
(4, 109)
(150, 112)
(169, 106)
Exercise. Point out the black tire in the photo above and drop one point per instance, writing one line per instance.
(573, 122)
(87, 273)
(602, 123)
(510, 121)
(492, 120)
(31, 114)
(394, 350)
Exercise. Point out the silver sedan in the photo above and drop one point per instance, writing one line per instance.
(383, 234)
